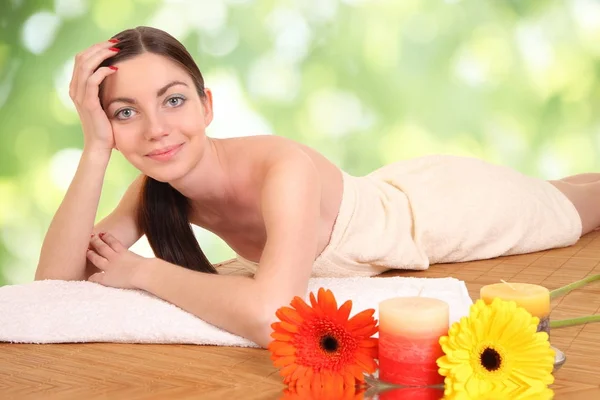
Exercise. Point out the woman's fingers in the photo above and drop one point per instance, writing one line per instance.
(96, 259)
(90, 70)
(84, 89)
(92, 87)
(79, 59)
(85, 64)
(113, 242)
(100, 247)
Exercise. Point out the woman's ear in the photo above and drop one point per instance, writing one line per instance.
(207, 105)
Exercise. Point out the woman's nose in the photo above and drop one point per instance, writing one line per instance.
(156, 128)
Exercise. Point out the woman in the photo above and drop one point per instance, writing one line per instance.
(277, 203)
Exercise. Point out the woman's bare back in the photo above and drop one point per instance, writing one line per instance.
(238, 219)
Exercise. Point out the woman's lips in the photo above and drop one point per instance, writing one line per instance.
(165, 153)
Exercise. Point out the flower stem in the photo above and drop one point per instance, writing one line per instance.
(562, 323)
(566, 289)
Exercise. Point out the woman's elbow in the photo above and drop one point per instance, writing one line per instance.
(263, 326)
(262, 336)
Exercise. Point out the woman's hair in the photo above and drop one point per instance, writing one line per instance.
(163, 211)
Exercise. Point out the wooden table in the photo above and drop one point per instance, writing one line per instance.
(136, 371)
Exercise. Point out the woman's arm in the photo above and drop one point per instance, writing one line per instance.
(246, 306)
(63, 250)
(63, 254)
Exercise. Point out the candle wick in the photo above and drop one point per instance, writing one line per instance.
(511, 286)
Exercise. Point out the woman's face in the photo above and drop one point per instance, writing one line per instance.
(157, 116)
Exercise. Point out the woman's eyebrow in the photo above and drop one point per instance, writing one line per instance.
(159, 93)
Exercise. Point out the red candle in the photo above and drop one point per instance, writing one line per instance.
(409, 334)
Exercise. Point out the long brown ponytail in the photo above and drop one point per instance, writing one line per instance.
(163, 217)
(163, 214)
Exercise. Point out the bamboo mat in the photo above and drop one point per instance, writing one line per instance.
(139, 371)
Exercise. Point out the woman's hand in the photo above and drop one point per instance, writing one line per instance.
(118, 264)
(83, 90)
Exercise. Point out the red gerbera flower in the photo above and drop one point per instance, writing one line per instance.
(319, 346)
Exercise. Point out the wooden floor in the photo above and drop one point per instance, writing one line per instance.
(133, 371)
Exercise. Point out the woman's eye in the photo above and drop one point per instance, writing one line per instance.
(175, 101)
(126, 113)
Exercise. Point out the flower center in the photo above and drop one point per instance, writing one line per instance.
(490, 359)
(329, 343)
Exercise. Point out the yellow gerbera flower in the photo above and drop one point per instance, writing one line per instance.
(496, 348)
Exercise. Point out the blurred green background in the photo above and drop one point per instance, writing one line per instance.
(366, 82)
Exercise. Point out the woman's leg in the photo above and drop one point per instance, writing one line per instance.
(586, 199)
(582, 178)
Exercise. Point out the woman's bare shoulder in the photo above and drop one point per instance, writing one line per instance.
(261, 144)
(267, 149)
(255, 156)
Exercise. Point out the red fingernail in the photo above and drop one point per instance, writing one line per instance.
(114, 40)
(113, 49)
(113, 67)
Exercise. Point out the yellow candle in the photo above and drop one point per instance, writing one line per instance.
(409, 333)
(533, 298)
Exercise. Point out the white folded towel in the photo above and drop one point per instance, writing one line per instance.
(54, 311)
